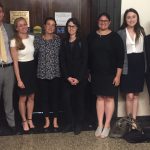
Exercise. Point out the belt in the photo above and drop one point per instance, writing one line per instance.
(5, 65)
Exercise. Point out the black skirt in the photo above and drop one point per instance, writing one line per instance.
(28, 77)
(102, 85)
(133, 82)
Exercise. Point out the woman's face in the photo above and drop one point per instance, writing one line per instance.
(22, 26)
(50, 26)
(131, 19)
(72, 28)
(103, 23)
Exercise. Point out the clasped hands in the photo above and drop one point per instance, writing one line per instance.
(73, 81)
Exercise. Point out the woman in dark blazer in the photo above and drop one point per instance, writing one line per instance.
(74, 71)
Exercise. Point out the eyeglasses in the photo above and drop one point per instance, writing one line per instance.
(104, 21)
(69, 26)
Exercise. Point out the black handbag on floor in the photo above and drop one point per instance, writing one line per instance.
(136, 136)
(123, 128)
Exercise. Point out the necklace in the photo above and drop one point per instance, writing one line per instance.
(101, 33)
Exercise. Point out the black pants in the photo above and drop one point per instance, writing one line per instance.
(50, 90)
(73, 101)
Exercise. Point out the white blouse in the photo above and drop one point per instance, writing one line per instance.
(26, 54)
(132, 46)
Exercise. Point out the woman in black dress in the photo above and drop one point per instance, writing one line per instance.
(106, 57)
(74, 71)
(132, 80)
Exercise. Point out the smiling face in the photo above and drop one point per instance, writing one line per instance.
(103, 23)
(21, 26)
(131, 19)
(72, 28)
(1, 15)
(50, 26)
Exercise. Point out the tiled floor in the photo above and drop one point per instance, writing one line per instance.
(58, 141)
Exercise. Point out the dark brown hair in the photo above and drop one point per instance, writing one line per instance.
(76, 22)
(104, 14)
(137, 28)
(49, 18)
(19, 44)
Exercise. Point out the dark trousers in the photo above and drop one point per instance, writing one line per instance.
(73, 101)
(49, 95)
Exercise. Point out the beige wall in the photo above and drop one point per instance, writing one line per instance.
(142, 6)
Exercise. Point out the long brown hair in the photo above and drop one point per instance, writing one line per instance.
(137, 28)
(18, 40)
(76, 22)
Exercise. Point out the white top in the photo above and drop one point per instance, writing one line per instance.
(132, 46)
(26, 54)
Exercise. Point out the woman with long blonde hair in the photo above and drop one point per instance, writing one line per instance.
(22, 50)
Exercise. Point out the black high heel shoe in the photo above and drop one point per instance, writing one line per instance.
(46, 129)
(29, 123)
(56, 129)
(25, 131)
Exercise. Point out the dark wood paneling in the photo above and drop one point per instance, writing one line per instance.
(40, 9)
(85, 10)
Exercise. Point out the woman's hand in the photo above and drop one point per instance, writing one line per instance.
(73, 81)
(70, 80)
(116, 81)
(21, 84)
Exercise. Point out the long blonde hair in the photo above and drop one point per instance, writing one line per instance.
(18, 40)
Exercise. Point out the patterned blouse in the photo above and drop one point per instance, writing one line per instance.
(47, 52)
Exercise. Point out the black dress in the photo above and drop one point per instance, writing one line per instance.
(106, 54)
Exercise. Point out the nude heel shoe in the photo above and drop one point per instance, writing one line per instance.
(105, 133)
(98, 131)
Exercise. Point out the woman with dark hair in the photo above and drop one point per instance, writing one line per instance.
(74, 71)
(105, 63)
(22, 50)
(132, 80)
(47, 47)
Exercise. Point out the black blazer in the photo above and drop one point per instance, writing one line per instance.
(147, 50)
(73, 59)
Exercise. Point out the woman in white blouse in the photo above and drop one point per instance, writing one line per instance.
(132, 80)
(22, 50)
